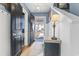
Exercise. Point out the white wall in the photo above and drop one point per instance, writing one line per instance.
(74, 8)
(4, 34)
(65, 37)
(75, 38)
(26, 27)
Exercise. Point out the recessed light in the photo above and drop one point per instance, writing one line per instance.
(38, 8)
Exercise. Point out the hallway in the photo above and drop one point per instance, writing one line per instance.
(65, 29)
(39, 29)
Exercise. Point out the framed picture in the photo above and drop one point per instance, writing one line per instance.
(64, 5)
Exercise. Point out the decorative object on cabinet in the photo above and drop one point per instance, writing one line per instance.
(54, 19)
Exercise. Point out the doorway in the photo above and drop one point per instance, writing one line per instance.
(40, 28)
(39, 31)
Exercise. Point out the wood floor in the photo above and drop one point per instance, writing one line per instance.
(36, 49)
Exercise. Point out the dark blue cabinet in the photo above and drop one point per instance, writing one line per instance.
(17, 27)
(52, 49)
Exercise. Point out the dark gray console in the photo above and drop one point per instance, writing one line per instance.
(52, 48)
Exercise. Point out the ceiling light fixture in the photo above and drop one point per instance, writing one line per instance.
(38, 8)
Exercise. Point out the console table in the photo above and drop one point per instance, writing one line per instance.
(52, 47)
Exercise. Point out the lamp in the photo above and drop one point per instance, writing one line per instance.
(54, 18)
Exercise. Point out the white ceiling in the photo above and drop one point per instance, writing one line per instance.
(39, 7)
